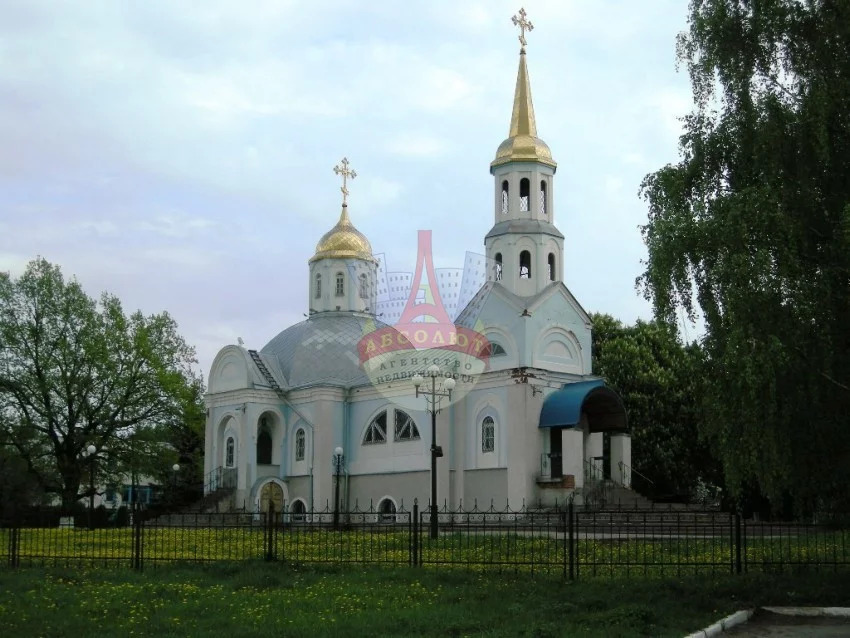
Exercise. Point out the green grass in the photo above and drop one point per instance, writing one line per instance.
(499, 552)
(253, 598)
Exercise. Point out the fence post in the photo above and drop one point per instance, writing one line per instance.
(14, 542)
(138, 530)
(415, 534)
(571, 538)
(269, 533)
(737, 543)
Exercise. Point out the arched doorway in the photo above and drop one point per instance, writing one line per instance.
(271, 494)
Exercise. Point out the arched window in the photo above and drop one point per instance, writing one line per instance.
(230, 452)
(405, 427)
(525, 265)
(524, 192)
(551, 266)
(340, 284)
(377, 430)
(542, 197)
(318, 285)
(496, 350)
(264, 443)
(386, 509)
(498, 266)
(488, 434)
(364, 286)
(298, 511)
(300, 444)
(505, 191)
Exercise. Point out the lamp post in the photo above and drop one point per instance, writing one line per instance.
(174, 468)
(92, 450)
(433, 398)
(338, 461)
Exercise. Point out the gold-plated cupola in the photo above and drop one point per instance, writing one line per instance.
(522, 144)
(344, 241)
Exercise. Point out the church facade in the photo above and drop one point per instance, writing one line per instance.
(526, 421)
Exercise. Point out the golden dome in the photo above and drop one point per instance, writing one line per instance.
(522, 144)
(343, 241)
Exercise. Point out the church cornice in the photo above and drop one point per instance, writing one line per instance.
(523, 227)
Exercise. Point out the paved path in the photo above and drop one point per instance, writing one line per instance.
(764, 624)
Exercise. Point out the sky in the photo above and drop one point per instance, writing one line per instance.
(179, 154)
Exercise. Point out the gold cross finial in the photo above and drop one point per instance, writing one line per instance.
(343, 169)
(524, 25)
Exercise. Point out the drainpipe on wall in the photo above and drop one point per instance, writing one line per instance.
(346, 443)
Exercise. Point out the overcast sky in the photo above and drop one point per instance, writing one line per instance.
(180, 154)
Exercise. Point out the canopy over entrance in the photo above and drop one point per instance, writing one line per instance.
(603, 407)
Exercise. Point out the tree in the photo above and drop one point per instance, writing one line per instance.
(751, 228)
(657, 378)
(77, 372)
(186, 437)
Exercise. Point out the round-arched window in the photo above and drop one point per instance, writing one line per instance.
(488, 434)
(387, 510)
(300, 444)
(230, 452)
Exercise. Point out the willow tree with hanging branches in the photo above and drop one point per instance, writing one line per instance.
(750, 230)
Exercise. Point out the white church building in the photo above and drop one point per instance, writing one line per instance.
(318, 403)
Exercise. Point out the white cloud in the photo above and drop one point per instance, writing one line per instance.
(417, 145)
(374, 194)
(175, 226)
(101, 227)
(199, 138)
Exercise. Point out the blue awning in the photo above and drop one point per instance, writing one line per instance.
(603, 407)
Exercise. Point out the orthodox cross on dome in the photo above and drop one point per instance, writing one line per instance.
(343, 169)
(524, 25)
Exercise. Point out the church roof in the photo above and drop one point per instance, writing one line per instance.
(468, 318)
(522, 143)
(343, 241)
(322, 350)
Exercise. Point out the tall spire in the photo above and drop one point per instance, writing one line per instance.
(522, 144)
(522, 118)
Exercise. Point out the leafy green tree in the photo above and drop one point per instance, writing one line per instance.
(18, 488)
(185, 436)
(76, 372)
(751, 229)
(657, 378)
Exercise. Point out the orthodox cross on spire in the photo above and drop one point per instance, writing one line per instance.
(524, 25)
(343, 169)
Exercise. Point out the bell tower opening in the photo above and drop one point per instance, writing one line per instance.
(505, 195)
(498, 266)
(525, 265)
(524, 192)
(551, 266)
(543, 197)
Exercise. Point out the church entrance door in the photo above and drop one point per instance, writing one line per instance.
(271, 494)
(556, 462)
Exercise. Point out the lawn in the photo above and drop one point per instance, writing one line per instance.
(495, 551)
(254, 597)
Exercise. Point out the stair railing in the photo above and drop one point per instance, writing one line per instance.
(626, 472)
(595, 487)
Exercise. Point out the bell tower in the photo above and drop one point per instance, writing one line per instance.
(524, 243)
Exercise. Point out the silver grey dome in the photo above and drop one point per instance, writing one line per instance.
(323, 349)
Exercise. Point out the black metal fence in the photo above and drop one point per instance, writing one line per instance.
(567, 543)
